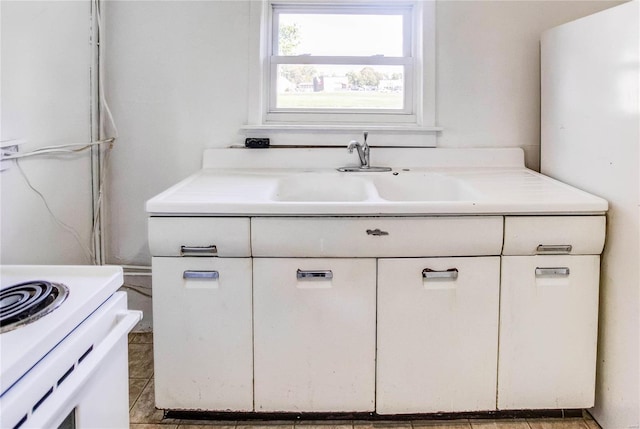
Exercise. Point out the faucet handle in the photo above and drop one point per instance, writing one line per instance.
(366, 134)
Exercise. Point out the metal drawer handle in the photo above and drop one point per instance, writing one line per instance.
(204, 275)
(554, 249)
(211, 250)
(450, 274)
(314, 275)
(552, 272)
(376, 232)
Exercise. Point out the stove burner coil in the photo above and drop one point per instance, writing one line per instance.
(26, 302)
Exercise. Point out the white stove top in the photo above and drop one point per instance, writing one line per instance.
(23, 347)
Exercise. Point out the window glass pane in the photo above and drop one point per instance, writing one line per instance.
(340, 87)
(70, 421)
(340, 34)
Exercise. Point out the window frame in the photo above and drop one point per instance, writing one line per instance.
(407, 60)
(419, 111)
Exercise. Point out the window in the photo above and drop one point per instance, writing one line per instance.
(346, 63)
(340, 59)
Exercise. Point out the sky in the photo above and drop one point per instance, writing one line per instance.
(330, 34)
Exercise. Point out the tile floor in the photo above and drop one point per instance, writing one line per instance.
(143, 414)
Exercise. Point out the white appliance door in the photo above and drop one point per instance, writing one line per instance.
(590, 110)
(93, 391)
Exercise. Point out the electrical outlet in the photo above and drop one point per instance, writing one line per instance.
(256, 143)
(8, 147)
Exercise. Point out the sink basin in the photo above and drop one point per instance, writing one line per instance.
(406, 186)
(422, 187)
(321, 188)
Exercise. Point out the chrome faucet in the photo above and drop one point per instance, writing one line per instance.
(364, 153)
(363, 150)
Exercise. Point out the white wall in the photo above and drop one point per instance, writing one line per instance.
(45, 100)
(177, 77)
(488, 75)
(177, 83)
(178, 73)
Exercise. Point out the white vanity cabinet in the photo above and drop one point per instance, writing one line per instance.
(437, 334)
(549, 312)
(384, 314)
(460, 281)
(203, 346)
(315, 339)
(314, 334)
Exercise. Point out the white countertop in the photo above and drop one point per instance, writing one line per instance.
(492, 181)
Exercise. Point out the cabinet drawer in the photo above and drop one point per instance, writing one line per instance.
(193, 236)
(538, 235)
(377, 236)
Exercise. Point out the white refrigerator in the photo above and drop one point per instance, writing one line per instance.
(590, 138)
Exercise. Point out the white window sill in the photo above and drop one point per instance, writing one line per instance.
(272, 128)
(340, 135)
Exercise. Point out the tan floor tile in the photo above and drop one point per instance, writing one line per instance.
(273, 424)
(442, 424)
(203, 426)
(589, 420)
(145, 411)
(363, 424)
(577, 423)
(218, 424)
(152, 426)
(499, 424)
(136, 385)
(323, 425)
(141, 337)
(586, 415)
(140, 360)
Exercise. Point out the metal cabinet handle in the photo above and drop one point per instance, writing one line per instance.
(554, 249)
(552, 272)
(205, 275)
(376, 232)
(429, 274)
(314, 275)
(211, 250)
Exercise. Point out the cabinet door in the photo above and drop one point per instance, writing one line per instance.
(314, 322)
(548, 332)
(203, 333)
(437, 334)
